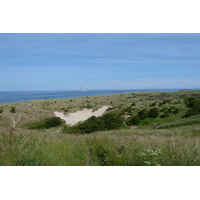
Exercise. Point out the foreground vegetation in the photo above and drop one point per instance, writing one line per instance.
(140, 129)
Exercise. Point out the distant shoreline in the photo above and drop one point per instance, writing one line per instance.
(20, 96)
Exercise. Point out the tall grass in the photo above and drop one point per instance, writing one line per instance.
(108, 148)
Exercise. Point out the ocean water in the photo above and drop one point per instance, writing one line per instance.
(8, 97)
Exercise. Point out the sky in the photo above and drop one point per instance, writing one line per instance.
(68, 61)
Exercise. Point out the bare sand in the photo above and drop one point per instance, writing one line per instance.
(82, 115)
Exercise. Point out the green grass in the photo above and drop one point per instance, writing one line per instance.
(180, 124)
(108, 148)
(176, 144)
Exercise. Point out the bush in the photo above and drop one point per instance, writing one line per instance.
(191, 102)
(143, 114)
(1, 110)
(194, 105)
(106, 122)
(12, 110)
(192, 111)
(165, 114)
(153, 113)
(133, 120)
(153, 104)
(112, 121)
(53, 121)
(175, 111)
(133, 104)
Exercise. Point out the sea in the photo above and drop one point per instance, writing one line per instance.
(18, 96)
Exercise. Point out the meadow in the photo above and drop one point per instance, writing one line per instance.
(151, 129)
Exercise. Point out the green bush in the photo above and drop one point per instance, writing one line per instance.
(53, 121)
(153, 113)
(165, 114)
(143, 114)
(112, 121)
(175, 111)
(109, 121)
(133, 104)
(153, 104)
(192, 111)
(1, 110)
(191, 102)
(194, 105)
(133, 120)
(12, 110)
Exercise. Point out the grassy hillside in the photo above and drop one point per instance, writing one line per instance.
(143, 138)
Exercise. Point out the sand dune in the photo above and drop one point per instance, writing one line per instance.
(73, 118)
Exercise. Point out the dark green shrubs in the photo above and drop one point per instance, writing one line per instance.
(108, 121)
(46, 123)
(133, 120)
(194, 105)
(53, 121)
(12, 110)
(153, 113)
(143, 114)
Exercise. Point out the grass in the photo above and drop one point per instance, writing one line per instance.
(176, 144)
(108, 148)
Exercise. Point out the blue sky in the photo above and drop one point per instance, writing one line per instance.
(99, 61)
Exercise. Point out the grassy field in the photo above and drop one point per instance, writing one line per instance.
(167, 140)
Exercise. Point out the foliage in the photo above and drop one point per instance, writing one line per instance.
(153, 104)
(133, 104)
(180, 124)
(192, 112)
(143, 114)
(133, 120)
(13, 110)
(194, 105)
(37, 125)
(108, 121)
(53, 121)
(191, 102)
(165, 114)
(153, 113)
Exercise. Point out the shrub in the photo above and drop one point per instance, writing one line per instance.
(165, 114)
(153, 104)
(1, 110)
(143, 114)
(194, 105)
(192, 111)
(134, 120)
(133, 104)
(12, 110)
(175, 111)
(153, 113)
(53, 121)
(106, 122)
(191, 102)
(112, 121)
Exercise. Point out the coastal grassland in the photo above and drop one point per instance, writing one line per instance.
(133, 147)
(167, 138)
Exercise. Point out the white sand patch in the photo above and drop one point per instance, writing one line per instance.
(82, 115)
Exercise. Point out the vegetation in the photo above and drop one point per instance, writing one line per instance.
(12, 110)
(194, 105)
(106, 122)
(153, 113)
(147, 129)
(53, 121)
